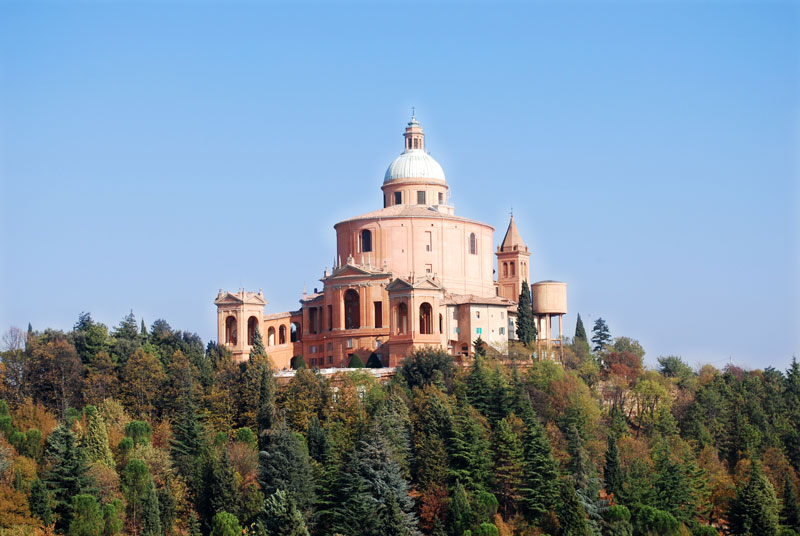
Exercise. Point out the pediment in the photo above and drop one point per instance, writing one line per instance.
(423, 283)
(230, 298)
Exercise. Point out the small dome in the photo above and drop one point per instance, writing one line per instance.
(414, 164)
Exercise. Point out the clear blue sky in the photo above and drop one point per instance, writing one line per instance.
(152, 153)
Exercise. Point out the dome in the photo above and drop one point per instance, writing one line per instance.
(414, 164)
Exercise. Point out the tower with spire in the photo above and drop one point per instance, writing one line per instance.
(512, 263)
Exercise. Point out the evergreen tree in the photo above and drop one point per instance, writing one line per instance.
(459, 515)
(67, 475)
(508, 467)
(755, 508)
(112, 517)
(478, 385)
(587, 485)
(95, 441)
(353, 514)
(356, 362)
(317, 440)
(612, 471)
(540, 474)
(470, 460)
(167, 506)
(265, 417)
(137, 486)
(284, 464)
(258, 348)
(526, 327)
(225, 524)
(217, 491)
(571, 514)
(187, 443)
(87, 518)
(281, 516)
(39, 502)
(150, 513)
(580, 331)
(600, 335)
(790, 511)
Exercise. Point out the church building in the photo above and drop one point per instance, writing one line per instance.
(409, 275)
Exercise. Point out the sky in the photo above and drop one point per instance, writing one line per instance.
(153, 152)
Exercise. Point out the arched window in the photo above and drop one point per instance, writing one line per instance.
(425, 320)
(505, 269)
(441, 324)
(473, 244)
(252, 326)
(352, 310)
(366, 240)
(271, 336)
(282, 335)
(294, 332)
(512, 269)
(402, 319)
(230, 330)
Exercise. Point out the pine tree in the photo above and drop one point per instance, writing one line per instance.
(265, 417)
(508, 467)
(478, 386)
(167, 506)
(218, 486)
(600, 335)
(790, 512)
(571, 514)
(526, 327)
(187, 443)
(580, 331)
(540, 475)
(755, 508)
(112, 517)
(284, 464)
(87, 517)
(470, 460)
(67, 476)
(612, 471)
(317, 440)
(150, 513)
(136, 486)
(459, 515)
(96, 440)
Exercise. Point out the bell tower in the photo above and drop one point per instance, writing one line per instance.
(512, 263)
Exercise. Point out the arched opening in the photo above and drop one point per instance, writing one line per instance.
(352, 310)
(512, 269)
(294, 332)
(230, 330)
(282, 335)
(366, 240)
(441, 324)
(252, 326)
(402, 319)
(473, 244)
(505, 269)
(271, 336)
(425, 319)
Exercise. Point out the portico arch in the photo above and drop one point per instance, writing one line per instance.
(252, 326)
(271, 336)
(230, 330)
(352, 310)
(425, 319)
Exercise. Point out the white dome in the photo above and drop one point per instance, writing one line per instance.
(414, 164)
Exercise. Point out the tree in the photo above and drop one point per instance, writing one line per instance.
(580, 331)
(67, 475)
(790, 512)
(112, 517)
(422, 367)
(187, 442)
(39, 502)
(600, 335)
(508, 467)
(142, 379)
(284, 465)
(355, 362)
(571, 514)
(87, 517)
(540, 474)
(218, 488)
(258, 348)
(459, 515)
(281, 516)
(225, 524)
(96, 440)
(139, 490)
(612, 471)
(755, 508)
(526, 327)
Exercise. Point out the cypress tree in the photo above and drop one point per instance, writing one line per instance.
(258, 348)
(265, 417)
(356, 362)
(580, 331)
(67, 476)
(96, 440)
(526, 327)
(754, 510)
(612, 471)
(317, 440)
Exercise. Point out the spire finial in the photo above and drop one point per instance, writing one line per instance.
(413, 111)
(512, 212)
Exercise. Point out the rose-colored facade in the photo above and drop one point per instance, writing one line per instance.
(409, 275)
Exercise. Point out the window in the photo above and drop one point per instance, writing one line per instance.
(428, 268)
(312, 320)
(252, 326)
(477, 314)
(271, 337)
(502, 314)
(366, 240)
(478, 330)
(402, 319)
(349, 343)
(473, 244)
(330, 359)
(294, 332)
(502, 331)
(282, 335)
(330, 318)
(505, 269)
(441, 198)
(352, 312)
(425, 320)
(329, 346)
(420, 197)
(398, 198)
(441, 324)
(512, 269)
(230, 330)
(378, 312)
(313, 349)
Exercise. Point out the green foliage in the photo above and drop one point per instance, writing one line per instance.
(612, 471)
(258, 349)
(245, 435)
(281, 516)
(298, 362)
(112, 517)
(571, 514)
(600, 335)
(459, 515)
(790, 511)
(96, 439)
(580, 331)
(284, 464)
(67, 475)
(87, 517)
(374, 361)
(139, 431)
(755, 508)
(425, 366)
(225, 524)
(651, 521)
(485, 529)
(39, 502)
(508, 467)
(526, 327)
(355, 362)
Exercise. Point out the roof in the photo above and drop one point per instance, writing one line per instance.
(410, 211)
(513, 240)
(277, 316)
(461, 299)
(414, 164)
